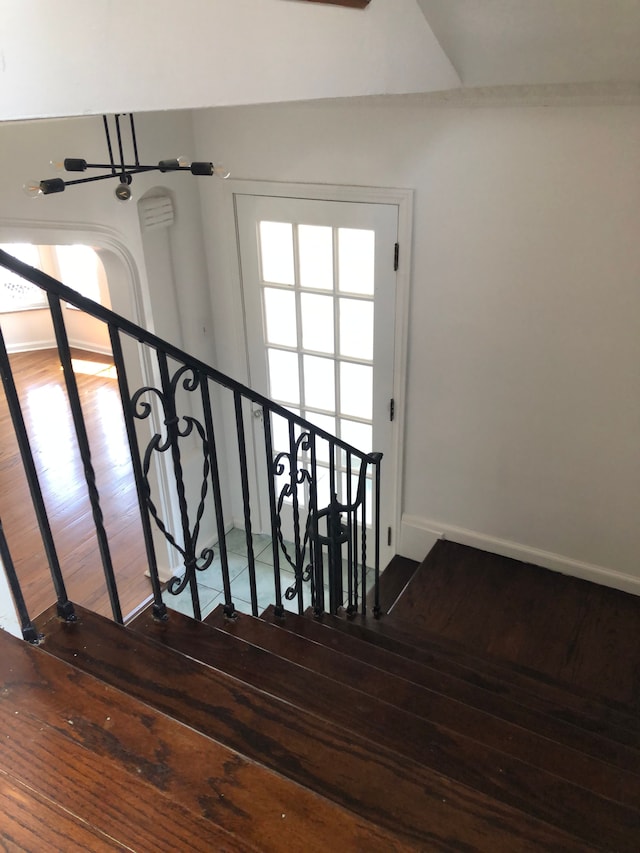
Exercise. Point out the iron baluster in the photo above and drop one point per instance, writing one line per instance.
(229, 607)
(64, 606)
(352, 603)
(189, 379)
(293, 475)
(29, 630)
(315, 550)
(244, 478)
(363, 567)
(159, 607)
(377, 457)
(333, 525)
(297, 477)
(363, 587)
(85, 453)
(268, 443)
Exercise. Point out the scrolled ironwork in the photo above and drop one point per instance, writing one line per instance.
(298, 476)
(337, 533)
(176, 427)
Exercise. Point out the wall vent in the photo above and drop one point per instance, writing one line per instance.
(156, 212)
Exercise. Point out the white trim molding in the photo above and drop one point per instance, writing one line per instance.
(418, 536)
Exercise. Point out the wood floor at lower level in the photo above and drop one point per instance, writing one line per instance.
(39, 380)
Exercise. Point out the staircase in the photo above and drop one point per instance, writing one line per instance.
(294, 728)
(297, 733)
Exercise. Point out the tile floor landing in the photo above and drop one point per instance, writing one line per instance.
(210, 581)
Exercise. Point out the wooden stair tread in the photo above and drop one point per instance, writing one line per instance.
(393, 630)
(559, 703)
(92, 786)
(571, 805)
(514, 737)
(401, 796)
(31, 822)
(207, 782)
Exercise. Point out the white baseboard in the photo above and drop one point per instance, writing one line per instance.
(89, 346)
(418, 536)
(32, 346)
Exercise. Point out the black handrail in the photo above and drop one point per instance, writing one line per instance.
(319, 526)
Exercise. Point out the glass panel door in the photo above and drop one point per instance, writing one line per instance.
(319, 296)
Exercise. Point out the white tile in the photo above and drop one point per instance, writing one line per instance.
(236, 540)
(212, 577)
(183, 603)
(267, 555)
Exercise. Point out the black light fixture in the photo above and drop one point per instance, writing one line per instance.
(120, 170)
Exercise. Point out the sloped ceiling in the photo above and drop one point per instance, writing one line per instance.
(530, 42)
(74, 57)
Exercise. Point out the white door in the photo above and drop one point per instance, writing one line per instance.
(318, 282)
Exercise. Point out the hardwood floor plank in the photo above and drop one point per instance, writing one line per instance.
(196, 773)
(398, 794)
(513, 733)
(563, 627)
(582, 726)
(95, 789)
(609, 716)
(31, 823)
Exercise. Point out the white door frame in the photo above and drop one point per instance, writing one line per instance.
(403, 198)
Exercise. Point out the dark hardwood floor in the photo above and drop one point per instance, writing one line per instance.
(38, 377)
(580, 633)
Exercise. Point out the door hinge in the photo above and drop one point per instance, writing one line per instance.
(388, 536)
(392, 409)
(396, 257)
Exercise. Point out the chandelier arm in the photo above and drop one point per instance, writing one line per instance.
(120, 148)
(120, 175)
(112, 165)
(132, 170)
(133, 138)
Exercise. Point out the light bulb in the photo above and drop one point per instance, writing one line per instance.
(221, 171)
(33, 189)
(57, 163)
(123, 192)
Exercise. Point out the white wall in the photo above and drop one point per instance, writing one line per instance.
(33, 330)
(75, 58)
(523, 412)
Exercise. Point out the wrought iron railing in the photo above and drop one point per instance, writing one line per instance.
(318, 497)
